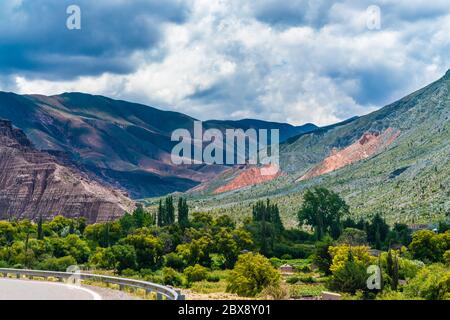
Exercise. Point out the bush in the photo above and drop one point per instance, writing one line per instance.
(351, 277)
(252, 274)
(430, 247)
(292, 280)
(296, 235)
(275, 292)
(353, 237)
(57, 264)
(431, 283)
(195, 273)
(3, 264)
(447, 257)
(212, 278)
(301, 278)
(322, 257)
(174, 261)
(296, 251)
(171, 277)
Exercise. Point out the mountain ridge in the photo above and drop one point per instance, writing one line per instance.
(125, 144)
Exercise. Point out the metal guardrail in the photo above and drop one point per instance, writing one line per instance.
(161, 291)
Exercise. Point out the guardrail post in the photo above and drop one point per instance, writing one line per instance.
(180, 295)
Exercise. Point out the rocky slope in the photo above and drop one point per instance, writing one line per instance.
(33, 183)
(369, 144)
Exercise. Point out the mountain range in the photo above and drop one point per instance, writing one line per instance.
(394, 160)
(126, 145)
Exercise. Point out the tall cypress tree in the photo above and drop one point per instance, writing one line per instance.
(392, 269)
(183, 213)
(40, 232)
(160, 220)
(169, 211)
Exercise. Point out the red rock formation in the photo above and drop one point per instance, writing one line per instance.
(34, 183)
(365, 147)
(249, 177)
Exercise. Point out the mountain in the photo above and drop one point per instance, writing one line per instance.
(124, 144)
(395, 161)
(34, 183)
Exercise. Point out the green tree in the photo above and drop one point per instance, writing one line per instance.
(431, 283)
(322, 257)
(322, 209)
(195, 273)
(353, 237)
(160, 214)
(428, 246)
(350, 277)
(266, 225)
(197, 251)
(392, 269)
(149, 250)
(252, 274)
(40, 231)
(183, 213)
(142, 218)
(377, 231)
(169, 217)
(122, 257)
(171, 277)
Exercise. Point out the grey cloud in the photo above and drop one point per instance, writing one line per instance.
(34, 39)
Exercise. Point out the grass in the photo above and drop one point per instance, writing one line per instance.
(302, 290)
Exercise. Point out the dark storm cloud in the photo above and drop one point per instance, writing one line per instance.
(34, 40)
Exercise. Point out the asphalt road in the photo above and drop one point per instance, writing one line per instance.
(12, 289)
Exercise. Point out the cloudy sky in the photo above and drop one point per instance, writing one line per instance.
(296, 61)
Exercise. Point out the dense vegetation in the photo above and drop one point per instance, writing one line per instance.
(328, 251)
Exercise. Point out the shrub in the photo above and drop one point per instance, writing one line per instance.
(57, 264)
(212, 278)
(447, 257)
(195, 273)
(353, 237)
(296, 251)
(322, 257)
(173, 260)
(431, 283)
(252, 274)
(341, 254)
(172, 277)
(350, 277)
(430, 247)
(292, 280)
(277, 291)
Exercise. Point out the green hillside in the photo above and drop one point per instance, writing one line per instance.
(409, 181)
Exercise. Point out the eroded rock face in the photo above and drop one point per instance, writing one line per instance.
(250, 177)
(33, 183)
(368, 145)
